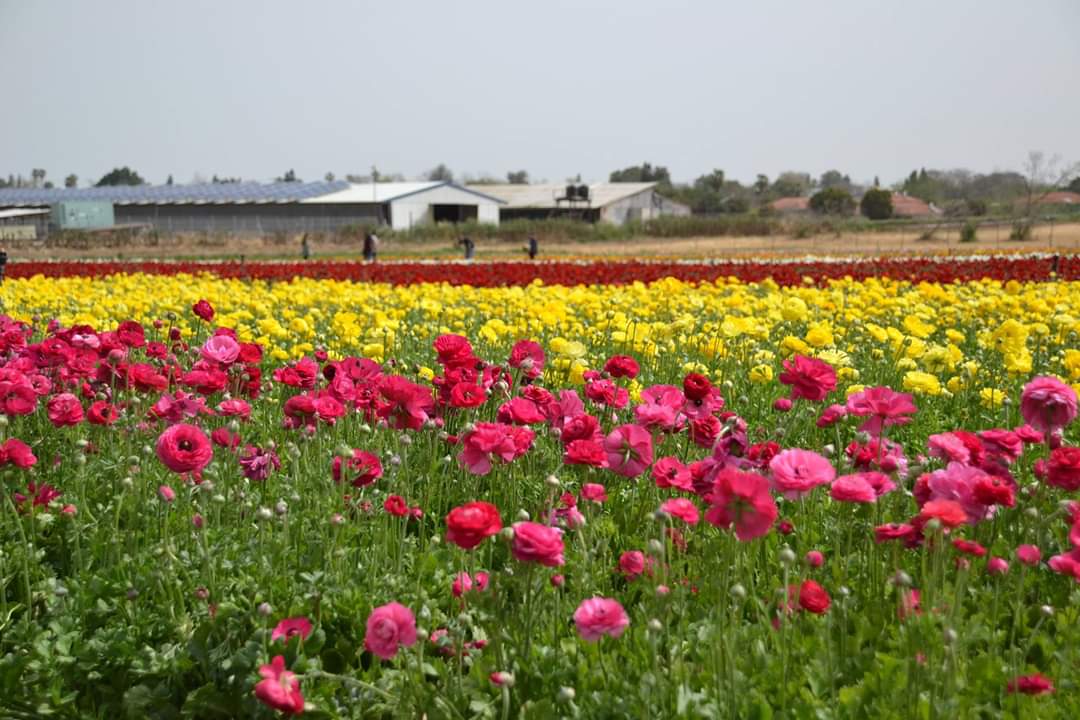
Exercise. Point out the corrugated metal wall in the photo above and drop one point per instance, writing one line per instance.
(249, 219)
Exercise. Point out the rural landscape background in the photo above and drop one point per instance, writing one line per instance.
(562, 360)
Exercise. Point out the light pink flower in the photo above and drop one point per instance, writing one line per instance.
(853, 489)
(220, 349)
(796, 472)
(683, 509)
(537, 543)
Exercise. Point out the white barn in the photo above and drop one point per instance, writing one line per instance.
(613, 202)
(403, 205)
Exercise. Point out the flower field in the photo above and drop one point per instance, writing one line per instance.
(807, 489)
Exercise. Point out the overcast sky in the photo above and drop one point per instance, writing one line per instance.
(251, 88)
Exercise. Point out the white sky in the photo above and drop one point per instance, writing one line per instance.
(253, 87)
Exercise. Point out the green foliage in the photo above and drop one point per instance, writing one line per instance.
(832, 201)
(969, 231)
(440, 173)
(876, 204)
(120, 176)
(518, 177)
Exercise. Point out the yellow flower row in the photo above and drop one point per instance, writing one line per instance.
(936, 339)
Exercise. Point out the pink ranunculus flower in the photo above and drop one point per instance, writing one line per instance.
(853, 489)
(1048, 404)
(279, 688)
(796, 472)
(537, 543)
(220, 349)
(1029, 554)
(65, 410)
(596, 617)
(683, 509)
(742, 499)
(882, 406)
(629, 450)
(389, 627)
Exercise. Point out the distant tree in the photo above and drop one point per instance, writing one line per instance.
(644, 173)
(71, 181)
(834, 179)
(1042, 176)
(440, 173)
(224, 180)
(877, 183)
(518, 177)
(289, 176)
(168, 180)
(876, 204)
(832, 201)
(329, 177)
(761, 184)
(49, 185)
(791, 184)
(120, 176)
(1074, 186)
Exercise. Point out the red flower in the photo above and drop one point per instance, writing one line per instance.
(619, 366)
(1063, 468)
(470, 524)
(696, 386)
(204, 310)
(809, 378)
(102, 413)
(17, 453)
(1036, 684)
(949, 512)
(969, 547)
(813, 598)
(362, 469)
(396, 506)
(184, 448)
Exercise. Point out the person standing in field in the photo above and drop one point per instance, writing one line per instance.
(371, 246)
(3, 263)
(532, 248)
(305, 248)
(470, 246)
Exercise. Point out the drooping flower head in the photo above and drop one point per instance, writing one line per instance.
(279, 689)
(882, 406)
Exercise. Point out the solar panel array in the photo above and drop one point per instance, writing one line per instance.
(206, 193)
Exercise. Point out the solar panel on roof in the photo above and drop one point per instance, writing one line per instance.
(150, 194)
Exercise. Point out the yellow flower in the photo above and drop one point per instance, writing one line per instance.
(991, 398)
(761, 374)
(820, 335)
(922, 383)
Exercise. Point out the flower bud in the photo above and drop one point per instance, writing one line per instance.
(265, 610)
(786, 555)
(656, 548)
(655, 626)
(552, 482)
(738, 592)
(566, 694)
(281, 508)
(264, 513)
(523, 515)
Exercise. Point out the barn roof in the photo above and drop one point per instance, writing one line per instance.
(201, 193)
(545, 195)
(389, 191)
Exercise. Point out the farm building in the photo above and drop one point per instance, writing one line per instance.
(616, 203)
(258, 207)
(911, 207)
(23, 223)
(1059, 197)
(791, 205)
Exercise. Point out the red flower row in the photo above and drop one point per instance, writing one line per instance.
(569, 272)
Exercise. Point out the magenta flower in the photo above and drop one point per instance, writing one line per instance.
(1048, 404)
(809, 378)
(683, 509)
(853, 489)
(389, 627)
(883, 406)
(291, 626)
(258, 463)
(629, 450)
(596, 617)
(537, 543)
(279, 688)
